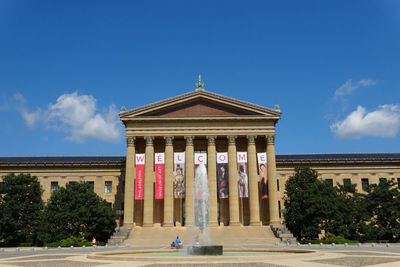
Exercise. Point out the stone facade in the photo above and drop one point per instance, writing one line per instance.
(199, 121)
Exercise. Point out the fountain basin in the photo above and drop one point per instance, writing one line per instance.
(205, 250)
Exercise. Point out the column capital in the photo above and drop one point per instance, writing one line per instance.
(232, 139)
(149, 140)
(270, 138)
(189, 140)
(130, 140)
(168, 140)
(251, 139)
(211, 139)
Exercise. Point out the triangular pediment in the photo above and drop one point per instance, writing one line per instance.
(198, 104)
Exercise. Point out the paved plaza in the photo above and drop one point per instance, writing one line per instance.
(326, 255)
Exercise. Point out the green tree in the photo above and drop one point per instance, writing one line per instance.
(77, 210)
(351, 216)
(383, 205)
(21, 205)
(310, 204)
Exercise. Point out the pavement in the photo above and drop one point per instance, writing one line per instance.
(373, 255)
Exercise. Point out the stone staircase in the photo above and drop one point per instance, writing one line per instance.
(119, 236)
(284, 234)
(220, 235)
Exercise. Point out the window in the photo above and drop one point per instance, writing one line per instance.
(53, 186)
(277, 184)
(364, 183)
(279, 208)
(329, 181)
(346, 181)
(73, 182)
(108, 186)
(91, 183)
(382, 180)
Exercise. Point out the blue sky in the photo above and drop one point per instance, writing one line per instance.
(66, 67)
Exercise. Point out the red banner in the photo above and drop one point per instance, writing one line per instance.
(159, 163)
(139, 180)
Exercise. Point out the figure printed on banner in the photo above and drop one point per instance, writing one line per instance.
(223, 175)
(262, 168)
(263, 181)
(223, 180)
(179, 183)
(243, 180)
(179, 174)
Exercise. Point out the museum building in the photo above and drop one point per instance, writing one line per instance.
(167, 142)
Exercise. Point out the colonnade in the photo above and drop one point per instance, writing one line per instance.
(254, 200)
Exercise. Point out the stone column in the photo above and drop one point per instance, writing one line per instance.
(233, 182)
(254, 200)
(189, 157)
(272, 187)
(169, 182)
(148, 183)
(212, 182)
(129, 196)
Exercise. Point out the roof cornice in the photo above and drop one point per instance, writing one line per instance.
(199, 94)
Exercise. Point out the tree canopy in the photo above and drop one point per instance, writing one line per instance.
(383, 206)
(308, 203)
(77, 210)
(312, 205)
(21, 208)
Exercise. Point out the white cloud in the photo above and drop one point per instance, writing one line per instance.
(382, 122)
(77, 115)
(74, 114)
(348, 87)
(19, 98)
(30, 117)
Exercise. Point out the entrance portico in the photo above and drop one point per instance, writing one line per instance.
(200, 121)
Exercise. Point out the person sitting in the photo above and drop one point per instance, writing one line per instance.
(178, 242)
(173, 244)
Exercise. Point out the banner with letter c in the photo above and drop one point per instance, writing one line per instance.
(200, 169)
(159, 164)
(139, 177)
(223, 175)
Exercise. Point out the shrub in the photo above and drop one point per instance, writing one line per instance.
(70, 241)
(27, 244)
(331, 238)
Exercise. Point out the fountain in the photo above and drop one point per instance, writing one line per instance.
(201, 197)
(202, 240)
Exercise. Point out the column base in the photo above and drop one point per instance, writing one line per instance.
(275, 222)
(127, 225)
(255, 223)
(235, 224)
(168, 225)
(189, 224)
(213, 224)
(148, 224)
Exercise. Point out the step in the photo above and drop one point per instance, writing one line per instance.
(227, 235)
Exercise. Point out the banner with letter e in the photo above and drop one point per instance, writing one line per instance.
(139, 177)
(262, 169)
(159, 164)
